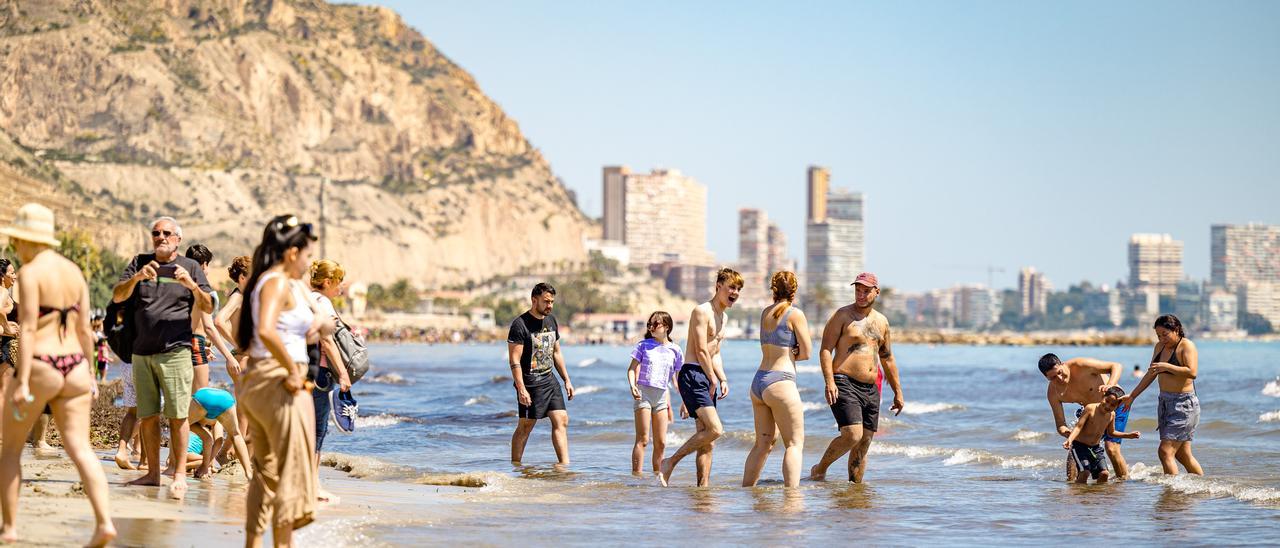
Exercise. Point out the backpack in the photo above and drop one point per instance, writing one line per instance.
(354, 353)
(119, 327)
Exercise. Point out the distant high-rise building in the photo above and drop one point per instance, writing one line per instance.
(778, 259)
(976, 306)
(1103, 307)
(1033, 291)
(819, 180)
(1155, 262)
(834, 252)
(753, 257)
(615, 212)
(661, 216)
(1261, 298)
(1244, 253)
(1188, 305)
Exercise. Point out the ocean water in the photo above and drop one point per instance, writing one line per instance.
(973, 459)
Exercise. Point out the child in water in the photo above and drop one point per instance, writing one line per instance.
(1085, 440)
(654, 363)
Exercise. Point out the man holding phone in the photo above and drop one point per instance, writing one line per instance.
(168, 288)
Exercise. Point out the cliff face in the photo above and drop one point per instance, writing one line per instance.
(223, 113)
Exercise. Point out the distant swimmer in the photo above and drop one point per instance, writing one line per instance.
(854, 336)
(654, 363)
(1137, 371)
(1083, 381)
(702, 380)
(533, 349)
(1085, 440)
(1175, 363)
(775, 399)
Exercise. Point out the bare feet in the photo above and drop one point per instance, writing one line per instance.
(122, 460)
(665, 473)
(103, 535)
(9, 535)
(178, 488)
(147, 480)
(815, 476)
(44, 446)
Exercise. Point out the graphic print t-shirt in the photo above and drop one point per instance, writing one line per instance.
(163, 312)
(538, 337)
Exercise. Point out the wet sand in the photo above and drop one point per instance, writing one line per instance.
(53, 509)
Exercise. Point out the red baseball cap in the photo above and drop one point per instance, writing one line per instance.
(868, 279)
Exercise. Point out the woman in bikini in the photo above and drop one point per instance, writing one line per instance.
(1175, 363)
(775, 399)
(51, 368)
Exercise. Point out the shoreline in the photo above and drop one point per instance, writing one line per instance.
(53, 509)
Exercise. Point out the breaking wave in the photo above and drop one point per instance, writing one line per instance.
(913, 408)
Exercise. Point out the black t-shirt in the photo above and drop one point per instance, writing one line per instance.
(162, 315)
(539, 340)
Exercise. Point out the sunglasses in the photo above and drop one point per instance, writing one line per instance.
(158, 233)
(290, 226)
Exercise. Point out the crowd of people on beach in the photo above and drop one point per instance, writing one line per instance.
(290, 358)
(856, 356)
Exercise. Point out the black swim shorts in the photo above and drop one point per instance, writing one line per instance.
(546, 396)
(695, 388)
(857, 402)
(1089, 458)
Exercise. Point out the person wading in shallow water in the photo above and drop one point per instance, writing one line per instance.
(533, 348)
(1084, 381)
(854, 337)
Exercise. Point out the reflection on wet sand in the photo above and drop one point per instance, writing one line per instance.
(854, 496)
(775, 500)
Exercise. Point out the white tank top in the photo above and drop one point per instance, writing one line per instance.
(292, 324)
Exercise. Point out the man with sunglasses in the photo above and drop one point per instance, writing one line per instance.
(166, 288)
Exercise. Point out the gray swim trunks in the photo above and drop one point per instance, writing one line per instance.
(1178, 415)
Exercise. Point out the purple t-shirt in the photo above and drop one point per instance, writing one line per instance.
(657, 361)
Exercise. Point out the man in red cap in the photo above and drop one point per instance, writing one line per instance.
(854, 337)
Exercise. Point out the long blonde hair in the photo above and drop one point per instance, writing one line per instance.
(784, 285)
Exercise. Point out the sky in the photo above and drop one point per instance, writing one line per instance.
(984, 135)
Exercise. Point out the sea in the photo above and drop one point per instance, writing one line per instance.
(973, 459)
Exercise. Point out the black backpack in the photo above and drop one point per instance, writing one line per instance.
(120, 329)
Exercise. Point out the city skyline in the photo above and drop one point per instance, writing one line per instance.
(1076, 131)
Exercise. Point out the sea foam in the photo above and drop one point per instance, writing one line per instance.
(589, 389)
(380, 420)
(915, 408)
(588, 362)
(1028, 435)
(1272, 389)
(1269, 417)
(1193, 484)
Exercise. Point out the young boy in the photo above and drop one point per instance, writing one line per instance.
(1085, 440)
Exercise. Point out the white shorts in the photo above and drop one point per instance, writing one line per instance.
(655, 399)
(130, 395)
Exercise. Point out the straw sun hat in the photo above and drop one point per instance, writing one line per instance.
(33, 224)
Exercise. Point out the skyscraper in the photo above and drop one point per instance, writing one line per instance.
(661, 216)
(778, 259)
(1244, 253)
(834, 247)
(1155, 262)
(753, 256)
(615, 202)
(976, 306)
(819, 179)
(1033, 291)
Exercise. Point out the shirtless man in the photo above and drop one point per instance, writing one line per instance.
(1083, 381)
(698, 386)
(856, 334)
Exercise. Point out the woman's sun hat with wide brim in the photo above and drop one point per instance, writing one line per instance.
(33, 224)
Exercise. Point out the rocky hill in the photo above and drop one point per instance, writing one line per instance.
(223, 113)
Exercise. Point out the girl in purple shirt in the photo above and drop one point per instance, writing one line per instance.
(654, 363)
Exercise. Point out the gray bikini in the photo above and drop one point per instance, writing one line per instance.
(780, 335)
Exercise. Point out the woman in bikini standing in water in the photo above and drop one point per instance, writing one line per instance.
(1175, 362)
(775, 399)
(51, 368)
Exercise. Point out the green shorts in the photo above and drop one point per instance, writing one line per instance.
(168, 374)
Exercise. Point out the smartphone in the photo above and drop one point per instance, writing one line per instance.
(167, 270)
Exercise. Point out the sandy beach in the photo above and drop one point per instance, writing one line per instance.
(54, 511)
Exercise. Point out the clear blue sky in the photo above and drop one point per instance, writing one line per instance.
(982, 133)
